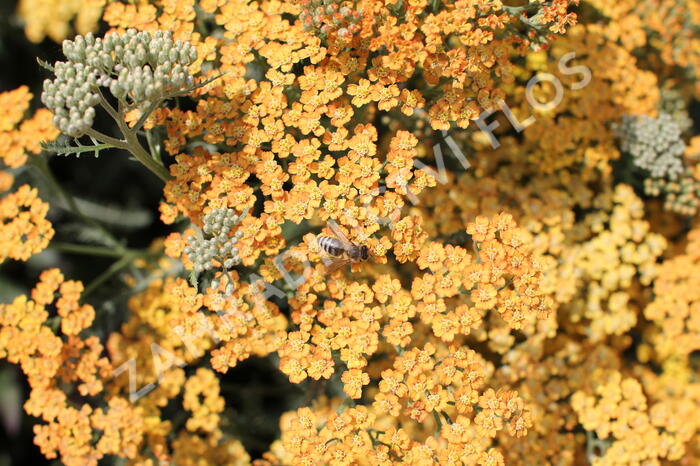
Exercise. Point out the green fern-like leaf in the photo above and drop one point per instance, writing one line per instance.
(44, 64)
(59, 148)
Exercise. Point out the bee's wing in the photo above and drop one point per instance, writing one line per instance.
(335, 264)
(339, 234)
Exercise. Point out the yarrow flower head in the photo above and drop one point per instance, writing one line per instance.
(139, 68)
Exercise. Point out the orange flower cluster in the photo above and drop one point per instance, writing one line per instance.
(24, 229)
(278, 126)
(578, 129)
(453, 298)
(52, 362)
(666, 31)
(17, 135)
(359, 435)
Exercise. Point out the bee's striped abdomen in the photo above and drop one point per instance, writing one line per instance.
(331, 246)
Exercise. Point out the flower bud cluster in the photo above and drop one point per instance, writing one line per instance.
(330, 16)
(682, 195)
(655, 144)
(139, 68)
(72, 97)
(217, 244)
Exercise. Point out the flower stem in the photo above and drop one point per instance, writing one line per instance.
(107, 274)
(103, 138)
(133, 145)
(137, 150)
(87, 250)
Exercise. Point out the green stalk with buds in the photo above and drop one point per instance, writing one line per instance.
(214, 247)
(139, 70)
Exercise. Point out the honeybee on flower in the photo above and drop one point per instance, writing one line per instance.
(340, 249)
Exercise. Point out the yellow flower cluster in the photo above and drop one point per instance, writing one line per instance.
(150, 355)
(628, 430)
(674, 310)
(620, 255)
(58, 18)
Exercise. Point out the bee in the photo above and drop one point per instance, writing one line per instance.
(341, 250)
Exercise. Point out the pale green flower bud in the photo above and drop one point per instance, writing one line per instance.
(125, 64)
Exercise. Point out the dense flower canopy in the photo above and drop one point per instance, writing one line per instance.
(524, 176)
